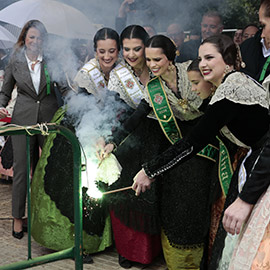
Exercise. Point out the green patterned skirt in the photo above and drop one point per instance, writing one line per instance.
(52, 217)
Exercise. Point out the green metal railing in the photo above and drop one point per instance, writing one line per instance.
(76, 251)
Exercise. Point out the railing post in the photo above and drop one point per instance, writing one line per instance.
(28, 196)
(73, 252)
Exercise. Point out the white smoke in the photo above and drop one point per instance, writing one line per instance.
(93, 121)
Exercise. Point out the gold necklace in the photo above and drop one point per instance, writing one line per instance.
(139, 72)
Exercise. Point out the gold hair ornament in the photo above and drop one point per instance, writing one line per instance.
(176, 50)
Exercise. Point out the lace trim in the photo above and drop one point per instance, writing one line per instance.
(182, 247)
(240, 88)
(186, 107)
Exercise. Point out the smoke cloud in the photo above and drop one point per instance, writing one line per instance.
(159, 13)
(93, 120)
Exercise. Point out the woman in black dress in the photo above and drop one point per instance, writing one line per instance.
(239, 108)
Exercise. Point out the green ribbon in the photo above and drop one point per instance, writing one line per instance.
(162, 110)
(48, 80)
(225, 170)
(266, 64)
(210, 152)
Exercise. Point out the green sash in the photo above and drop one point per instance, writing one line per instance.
(172, 131)
(225, 170)
(163, 110)
(48, 80)
(210, 152)
(166, 118)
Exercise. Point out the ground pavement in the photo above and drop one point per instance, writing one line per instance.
(13, 250)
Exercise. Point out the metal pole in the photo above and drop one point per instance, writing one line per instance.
(61, 255)
(28, 197)
(77, 199)
(76, 251)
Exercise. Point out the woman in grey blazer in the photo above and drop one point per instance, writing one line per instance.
(36, 103)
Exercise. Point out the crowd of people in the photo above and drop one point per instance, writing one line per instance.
(190, 135)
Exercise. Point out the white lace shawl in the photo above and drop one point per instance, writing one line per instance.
(84, 80)
(185, 108)
(190, 101)
(242, 89)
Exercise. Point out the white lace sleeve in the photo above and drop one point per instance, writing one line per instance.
(83, 80)
(114, 83)
(185, 108)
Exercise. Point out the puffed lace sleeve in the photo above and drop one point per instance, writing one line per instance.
(84, 80)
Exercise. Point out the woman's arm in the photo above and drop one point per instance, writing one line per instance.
(121, 132)
(215, 117)
(257, 182)
(259, 178)
(131, 123)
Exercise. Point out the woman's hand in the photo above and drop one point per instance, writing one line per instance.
(108, 149)
(3, 113)
(100, 144)
(141, 182)
(235, 216)
(103, 150)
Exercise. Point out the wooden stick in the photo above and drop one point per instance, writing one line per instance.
(100, 162)
(116, 190)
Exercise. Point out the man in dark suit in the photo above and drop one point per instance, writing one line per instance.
(211, 24)
(254, 55)
(176, 33)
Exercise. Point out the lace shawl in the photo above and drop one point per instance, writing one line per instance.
(242, 89)
(186, 107)
(84, 80)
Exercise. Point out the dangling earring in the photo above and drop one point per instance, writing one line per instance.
(170, 67)
(212, 90)
(241, 63)
(227, 69)
(96, 56)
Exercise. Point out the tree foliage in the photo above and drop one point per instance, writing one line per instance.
(239, 13)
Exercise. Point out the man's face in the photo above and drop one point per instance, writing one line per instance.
(249, 32)
(176, 34)
(210, 26)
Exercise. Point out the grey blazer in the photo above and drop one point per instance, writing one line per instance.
(30, 108)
